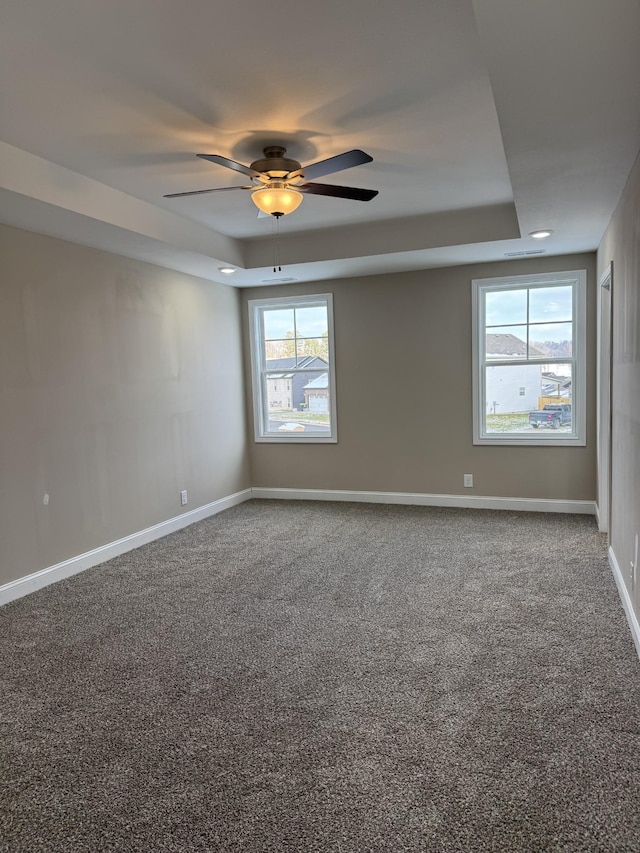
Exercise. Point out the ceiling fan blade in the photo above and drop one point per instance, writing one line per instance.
(230, 164)
(354, 193)
(201, 192)
(333, 164)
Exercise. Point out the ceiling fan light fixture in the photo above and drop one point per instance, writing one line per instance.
(276, 201)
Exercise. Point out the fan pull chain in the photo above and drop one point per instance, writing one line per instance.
(276, 244)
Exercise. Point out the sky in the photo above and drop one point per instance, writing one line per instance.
(546, 304)
(310, 322)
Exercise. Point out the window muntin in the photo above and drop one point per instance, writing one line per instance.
(293, 369)
(529, 333)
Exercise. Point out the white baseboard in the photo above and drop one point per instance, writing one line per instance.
(37, 580)
(416, 499)
(44, 577)
(627, 604)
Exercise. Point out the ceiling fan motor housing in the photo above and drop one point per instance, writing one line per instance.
(275, 161)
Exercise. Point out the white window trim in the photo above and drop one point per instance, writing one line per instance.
(257, 368)
(578, 437)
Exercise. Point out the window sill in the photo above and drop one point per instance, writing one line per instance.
(552, 441)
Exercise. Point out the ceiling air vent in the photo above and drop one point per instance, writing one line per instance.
(284, 280)
(522, 254)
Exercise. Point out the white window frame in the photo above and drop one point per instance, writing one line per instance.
(479, 287)
(259, 369)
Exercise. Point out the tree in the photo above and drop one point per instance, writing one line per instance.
(314, 346)
(286, 347)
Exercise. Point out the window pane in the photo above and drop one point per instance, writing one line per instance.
(506, 343)
(313, 347)
(304, 408)
(279, 350)
(312, 322)
(553, 340)
(279, 393)
(550, 304)
(544, 406)
(505, 307)
(277, 323)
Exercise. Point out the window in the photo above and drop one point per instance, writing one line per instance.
(529, 354)
(292, 344)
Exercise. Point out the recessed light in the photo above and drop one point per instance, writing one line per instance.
(227, 270)
(541, 234)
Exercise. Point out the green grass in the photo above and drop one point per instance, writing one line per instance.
(508, 422)
(300, 417)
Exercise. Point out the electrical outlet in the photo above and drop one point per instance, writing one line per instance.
(183, 497)
(468, 480)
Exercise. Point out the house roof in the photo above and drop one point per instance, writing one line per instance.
(504, 344)
(486, 120)
(286, 363)
(559, 382)
(318, 383)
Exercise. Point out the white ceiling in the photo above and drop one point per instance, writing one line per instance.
(486, 119)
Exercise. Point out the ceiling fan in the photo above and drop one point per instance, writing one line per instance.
(278, 182)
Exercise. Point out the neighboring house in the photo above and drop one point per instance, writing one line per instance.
(510, 388)
(316, 394)
(504, 346)
(556, 386)
(285, 390)
(280, 391)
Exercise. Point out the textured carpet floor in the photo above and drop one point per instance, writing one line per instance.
(327, 677)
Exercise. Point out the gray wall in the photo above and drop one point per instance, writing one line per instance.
(120, 384)
(403, 361)
(621, 244)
